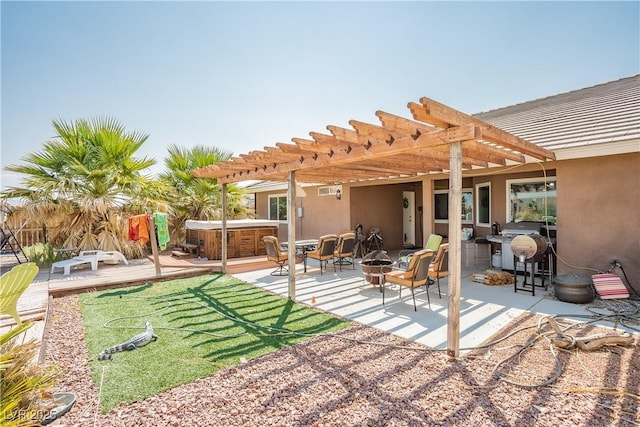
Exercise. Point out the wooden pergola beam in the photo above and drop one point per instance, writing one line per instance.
(347, 135)
(360, 153)
(368, 130)
(293, 149)
(332, 141)
(311, 145)
(438, 111)
(403, 125)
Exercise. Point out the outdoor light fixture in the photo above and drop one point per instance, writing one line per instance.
(338, 194)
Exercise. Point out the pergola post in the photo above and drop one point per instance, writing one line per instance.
(224, 228)
(154, 243)
(455, 269)
(291, 234)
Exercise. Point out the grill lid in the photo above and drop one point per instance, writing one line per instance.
(528, 246)
(523, 227)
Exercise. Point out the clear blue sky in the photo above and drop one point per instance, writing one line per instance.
(244, 75)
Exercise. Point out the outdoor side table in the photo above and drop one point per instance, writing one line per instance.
(303, 246)
(65, 253)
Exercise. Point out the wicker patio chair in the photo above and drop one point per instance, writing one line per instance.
(275, 254)
(325, 250)
(413, 277)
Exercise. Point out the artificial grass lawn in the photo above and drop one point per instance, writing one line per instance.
(231, 315)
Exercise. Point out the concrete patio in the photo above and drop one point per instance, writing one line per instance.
(483, 309)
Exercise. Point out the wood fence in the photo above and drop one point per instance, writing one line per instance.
(26, 236)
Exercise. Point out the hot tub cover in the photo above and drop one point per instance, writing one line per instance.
(191, 224)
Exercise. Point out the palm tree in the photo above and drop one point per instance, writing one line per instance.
(85, 183)
(197, 198)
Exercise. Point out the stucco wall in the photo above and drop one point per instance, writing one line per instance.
(599, 214)
(324, 214)
(321, 214)
(381, 206)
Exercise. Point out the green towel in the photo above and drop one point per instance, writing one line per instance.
(162, 225)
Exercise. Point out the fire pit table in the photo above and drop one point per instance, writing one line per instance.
(374, 265)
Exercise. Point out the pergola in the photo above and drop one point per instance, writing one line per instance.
(437, 139)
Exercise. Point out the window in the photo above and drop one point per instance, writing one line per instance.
(532, 200)
(483, 204)
(278, 207)
(329, 190)
(467, 206)
(441, 206)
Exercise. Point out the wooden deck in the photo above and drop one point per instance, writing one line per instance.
(34, 302)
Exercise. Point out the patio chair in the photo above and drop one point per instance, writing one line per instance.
(275, 254)
(345, 248)
(325, 250)
(414, 276)
(108, 257)
(439, 267)
(67, 264)
(12, 284)
(432, 244)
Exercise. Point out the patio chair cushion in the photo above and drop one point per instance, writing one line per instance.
(433, 242)
(609, 286)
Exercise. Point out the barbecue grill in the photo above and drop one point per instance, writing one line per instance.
(515, 229)
(528, 247)
(527, 250)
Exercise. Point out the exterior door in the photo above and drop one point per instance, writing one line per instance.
(408, 218)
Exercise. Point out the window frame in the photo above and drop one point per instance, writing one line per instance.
(329, 190)
(446, 221)
(477, 204)
(277, 196)
(534, 180)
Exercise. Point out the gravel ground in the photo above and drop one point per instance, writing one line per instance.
(347, 382)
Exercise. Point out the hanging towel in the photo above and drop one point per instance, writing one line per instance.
(139, 229)
(134, 228)
(162, 225)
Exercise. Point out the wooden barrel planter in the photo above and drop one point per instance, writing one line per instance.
(573, 288)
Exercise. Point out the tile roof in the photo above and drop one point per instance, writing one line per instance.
(608, 112)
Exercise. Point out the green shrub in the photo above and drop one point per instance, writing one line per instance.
(24, 395)
(40, 253)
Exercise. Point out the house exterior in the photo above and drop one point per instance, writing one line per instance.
(589, 195)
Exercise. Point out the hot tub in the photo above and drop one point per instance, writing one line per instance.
(244, 237)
